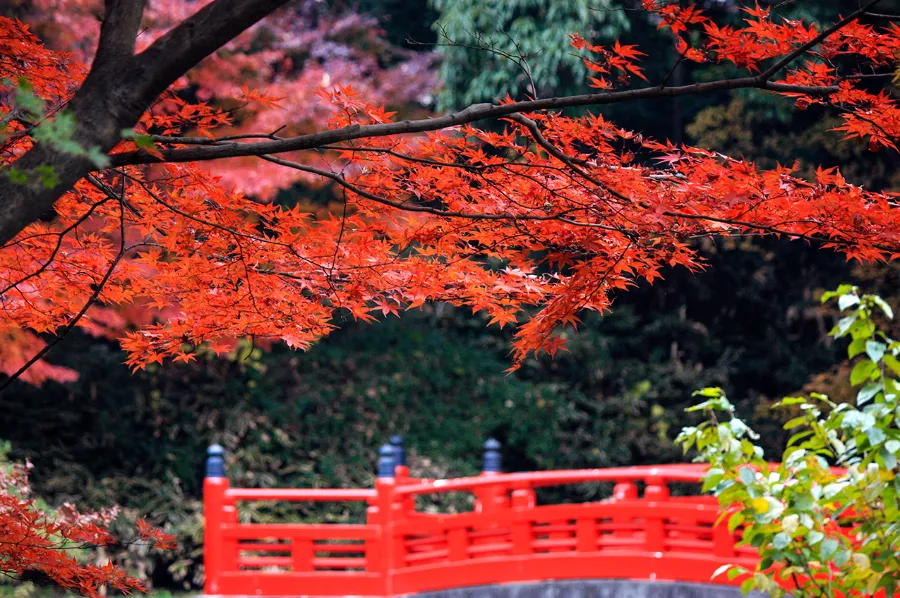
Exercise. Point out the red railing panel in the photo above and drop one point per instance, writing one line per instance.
(508, 537)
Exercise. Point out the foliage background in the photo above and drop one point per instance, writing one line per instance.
(750, 323)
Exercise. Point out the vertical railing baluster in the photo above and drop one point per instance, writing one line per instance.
(302, 554)
(723, 540)
(492, 497)
(458, 544)
(523, 502)
(623, 491)
(655, 531)
(586, 534)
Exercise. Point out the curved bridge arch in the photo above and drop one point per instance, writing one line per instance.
(508, 541)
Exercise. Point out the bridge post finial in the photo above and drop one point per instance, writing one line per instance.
(215, 461)
(492, 459)
(399, 453)
(386, 461)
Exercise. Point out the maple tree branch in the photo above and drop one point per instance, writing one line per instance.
(59, 240)
(883, 17)
(774, 230)
(118, 32)
(559, 216)
(198, 36)
(119, 88)
(474, 113)
(804, 48)
(562, 157)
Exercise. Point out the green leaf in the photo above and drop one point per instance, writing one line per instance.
(829, 545)
(842, 557)
(875, 350)
(846, 301)
(862, 371)
(799, 436)
(884, 306)
(46, 175)
(875, 435)
(892, 446)
(868, 392)
(17, 176)
(844, 325)
(815, 537)
(888, 458)
(841, 290)
(747, 475)
(891, 361)
(793, 423)
(781, 540)
(803, 502)
(856, 347)
(734, 521)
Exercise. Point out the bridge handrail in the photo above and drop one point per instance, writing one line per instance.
(506, 537)
(300, 494)
(692, 473)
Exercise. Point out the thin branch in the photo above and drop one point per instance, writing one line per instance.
(560, 216)
(562, 157)
(60, 235)
(883, 17)
(473, 113)
(64, 331)
(803, 49)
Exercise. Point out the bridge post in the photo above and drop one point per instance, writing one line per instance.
(625, 491)
(490, 498)
(381, 554)
(215, 484)
(723, 540)
(492, 460)
(656, 489)
(401, 471)
(654, 529)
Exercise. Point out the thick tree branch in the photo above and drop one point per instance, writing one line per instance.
(119, 31)
(198, 36)
(215, 150)
(117, 91)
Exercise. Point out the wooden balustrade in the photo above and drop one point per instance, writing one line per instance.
(507, 537)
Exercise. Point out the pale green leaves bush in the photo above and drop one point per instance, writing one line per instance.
(825, 520)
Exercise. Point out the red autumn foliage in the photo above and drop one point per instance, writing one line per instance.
(568, 208)
(546, 211)
(40, 543)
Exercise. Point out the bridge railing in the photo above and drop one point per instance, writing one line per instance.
(639, 532)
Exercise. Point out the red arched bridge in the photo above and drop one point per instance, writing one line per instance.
(640, 532)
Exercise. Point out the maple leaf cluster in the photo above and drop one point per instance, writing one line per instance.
(39, 542)
(552, 211)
